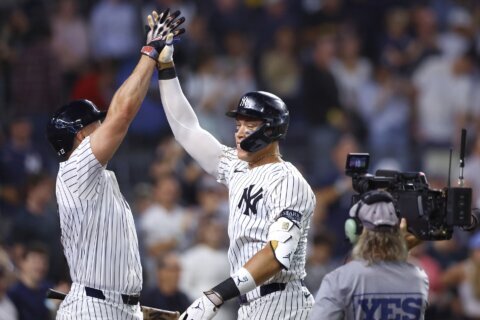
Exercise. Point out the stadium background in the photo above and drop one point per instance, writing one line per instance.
(398, 79)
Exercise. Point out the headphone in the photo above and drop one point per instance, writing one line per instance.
(353, 225)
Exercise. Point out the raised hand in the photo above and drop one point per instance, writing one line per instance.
(162, 30)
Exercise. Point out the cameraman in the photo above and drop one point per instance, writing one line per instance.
(378, 283)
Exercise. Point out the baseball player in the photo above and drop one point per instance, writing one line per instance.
(98, 232)
(378, 283)
(270, 203)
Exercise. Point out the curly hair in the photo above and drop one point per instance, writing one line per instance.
(377, 246)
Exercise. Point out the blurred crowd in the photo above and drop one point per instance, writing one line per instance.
(395, 78)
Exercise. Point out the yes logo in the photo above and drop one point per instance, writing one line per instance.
(388, 306)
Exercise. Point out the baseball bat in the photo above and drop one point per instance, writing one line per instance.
(149, 313)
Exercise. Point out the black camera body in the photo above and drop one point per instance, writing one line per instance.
(431, 214)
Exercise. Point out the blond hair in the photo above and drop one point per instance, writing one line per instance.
(375, 246)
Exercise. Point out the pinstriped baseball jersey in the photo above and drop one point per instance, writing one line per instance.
(258, 197)
(98, 232)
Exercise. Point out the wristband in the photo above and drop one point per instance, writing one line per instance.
(166, 74)
(240, 283)
(244, 281)
(150, 52)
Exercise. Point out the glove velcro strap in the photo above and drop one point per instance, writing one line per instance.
(226, 290)
(150, 52)
(240, 283)
(214, 297)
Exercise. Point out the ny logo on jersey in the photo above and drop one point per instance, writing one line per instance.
(250, 200)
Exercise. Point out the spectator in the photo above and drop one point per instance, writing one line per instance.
(465, 277)
(350, 70)
(397, 43)
(38, 222)
(384, 106)
(456, 40)
(212, 199)
(114, 31)
(444, 88)
(174, 220)
(19, 157)
(279, 65)
(165, 294)
(206, 264)
(317, 17)
(28, 293)
(321, 105)
(225, 16)
(334, 195)
(8, 311)
(209, 90)
(35, 96)
(438, 305)
(273, 16)
(425, 30)
(96, 84)
(319, 261)
(70, 39)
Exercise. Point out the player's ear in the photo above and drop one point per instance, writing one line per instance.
(80, 135)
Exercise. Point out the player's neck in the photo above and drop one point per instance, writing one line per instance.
(266, 158)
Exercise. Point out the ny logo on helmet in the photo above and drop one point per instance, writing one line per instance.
(250, 200)
(247, 103)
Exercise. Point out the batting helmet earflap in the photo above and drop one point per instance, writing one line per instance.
(267, 107)
(67, 121)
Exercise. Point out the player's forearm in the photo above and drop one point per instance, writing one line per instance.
(263, 265)
(128, 98)
(200, 144)
(256, 271)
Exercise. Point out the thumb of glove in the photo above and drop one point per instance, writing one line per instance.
(166, 55)
(169, 40)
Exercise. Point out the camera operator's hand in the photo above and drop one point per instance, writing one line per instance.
(410, 239)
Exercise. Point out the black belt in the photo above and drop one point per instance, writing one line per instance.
(127, 299)
(264, 290)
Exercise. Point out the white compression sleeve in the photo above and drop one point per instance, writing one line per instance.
(199, 143)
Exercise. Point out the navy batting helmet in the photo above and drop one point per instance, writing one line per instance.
(67, 121)
(267, 107)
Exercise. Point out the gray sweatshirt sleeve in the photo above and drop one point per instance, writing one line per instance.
(329, 304)
(199, 143)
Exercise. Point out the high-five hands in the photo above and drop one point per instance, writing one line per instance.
(162, 29)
